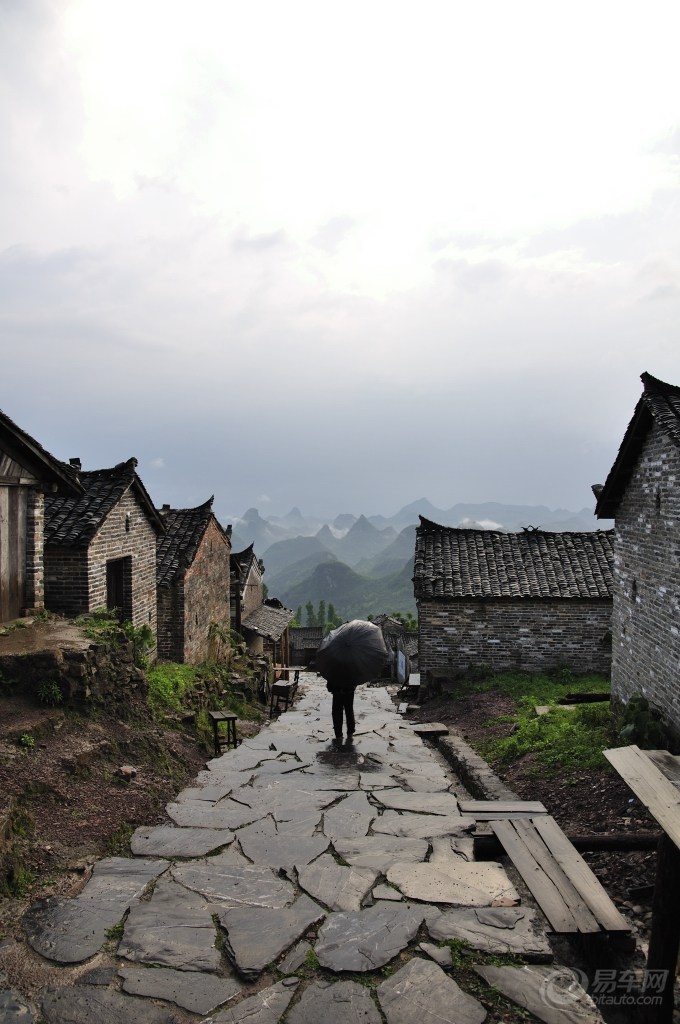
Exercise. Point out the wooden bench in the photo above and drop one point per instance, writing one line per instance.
(557, 876)
(224, 740)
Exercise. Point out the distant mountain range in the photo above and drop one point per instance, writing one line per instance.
(364, 564)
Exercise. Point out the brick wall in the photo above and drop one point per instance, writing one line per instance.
(646, 616)
(253, 592)
(34, 589)
(522, 635)
(75, 578)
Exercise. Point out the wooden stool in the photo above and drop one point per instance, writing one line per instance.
(224, 740)
(281, 692)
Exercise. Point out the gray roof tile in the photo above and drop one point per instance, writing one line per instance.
(452, 563)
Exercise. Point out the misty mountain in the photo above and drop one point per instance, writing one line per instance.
(350, 594)
(391, 560)
(298, 572)
(361, 541)
(285, 553)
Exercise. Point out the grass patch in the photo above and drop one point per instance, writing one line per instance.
(169, 683)
(565, 739)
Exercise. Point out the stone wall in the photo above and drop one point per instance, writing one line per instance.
(34, 588)
(507, 635)
(75, 578)
(102, 673)
(646, 616)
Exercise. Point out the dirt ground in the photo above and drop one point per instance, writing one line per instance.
(585, 803)
(79, 786)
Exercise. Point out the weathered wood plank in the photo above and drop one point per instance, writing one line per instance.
(580, 875)
(650, 785)
(539, 884)
(500, 808)
(586, 922)
(668, 764)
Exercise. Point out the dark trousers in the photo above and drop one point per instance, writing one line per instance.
(343, 700)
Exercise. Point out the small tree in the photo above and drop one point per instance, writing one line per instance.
(311, 615)
(321, 614)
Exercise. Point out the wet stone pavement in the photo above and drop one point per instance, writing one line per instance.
(290, 855)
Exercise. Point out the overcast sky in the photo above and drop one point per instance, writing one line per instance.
(338, 255)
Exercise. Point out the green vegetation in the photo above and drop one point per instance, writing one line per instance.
(49, 693)
(643, 725)
(169, 683)
(566, 739)
(27, 741)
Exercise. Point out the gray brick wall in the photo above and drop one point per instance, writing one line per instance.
(75, 578)
(646, 616)
(515, 635)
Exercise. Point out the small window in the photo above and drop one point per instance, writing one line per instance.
(657, 500)
(634, 590)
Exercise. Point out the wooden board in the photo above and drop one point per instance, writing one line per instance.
(484, 810)
(580, 875)
(650, 785)
(563, 885)
(542, 888)
(668, 764)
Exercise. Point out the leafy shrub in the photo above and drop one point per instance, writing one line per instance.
(50, 693)
(641, 724)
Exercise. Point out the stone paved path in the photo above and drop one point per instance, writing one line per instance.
(287, 855)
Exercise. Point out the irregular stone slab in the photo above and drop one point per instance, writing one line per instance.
(266, 846)
(70, 931)
(377, 780)
(553, 994)
(199, 993)
(84, 1004)
(368, 939)
(495, 930)
(174, 929)
(233, 885)
(346, 1002)
(266, 1007)
(430, 730)
(13, 1009)
(214, 786)
(440, 954)
(341, 782)
(168, 841)
(282, 765)
(421, 990)
(256, 936)
(337, 887)
(202, 814)
(475, 884)
(423, 803)
(241, 759)
(386, 892)
(380, 851)
(349, 819)
(424, 784)
(422, 826)
(295, 958)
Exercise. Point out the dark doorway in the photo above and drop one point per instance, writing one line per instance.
(119, 587)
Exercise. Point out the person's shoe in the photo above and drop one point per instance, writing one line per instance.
(337, 740)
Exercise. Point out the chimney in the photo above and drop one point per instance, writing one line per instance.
(228, 531)
(165, 510)
(75, 463)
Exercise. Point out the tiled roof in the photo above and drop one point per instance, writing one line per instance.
(177, 547)
(658, 405)
(453, 563)
(269, 622)
(73, 522)
(26, 450)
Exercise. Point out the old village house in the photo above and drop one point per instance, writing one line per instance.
(193, 565)
(27, 474)
(100, 547)
(526, 601)
(642, 495)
